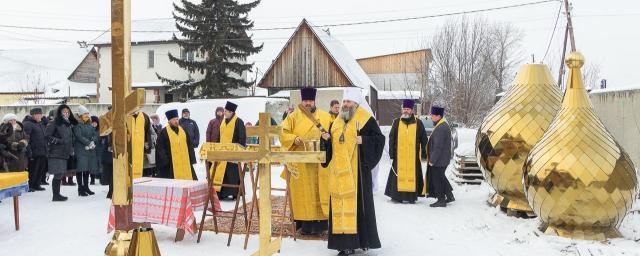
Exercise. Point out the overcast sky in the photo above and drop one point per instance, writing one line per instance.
(606, 33)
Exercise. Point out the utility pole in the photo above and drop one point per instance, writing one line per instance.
(568, 33)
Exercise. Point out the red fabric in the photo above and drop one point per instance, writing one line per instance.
(168, 202)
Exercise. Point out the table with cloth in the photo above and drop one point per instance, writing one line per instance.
(13, 184)
(168, 202)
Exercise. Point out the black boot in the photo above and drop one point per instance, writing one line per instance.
(440, 203)
(85, 183)
(347, 252)
(55, 187)
(93, 179)
(110, 192)
(450, 197)
(81, 191)
(44, 178)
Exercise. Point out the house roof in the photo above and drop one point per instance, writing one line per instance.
(151, 30)
(338, 52)
(427, 51)
(398, 95)
(31, 69)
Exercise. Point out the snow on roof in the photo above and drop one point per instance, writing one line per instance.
(617, 89)
(398, 95)
(281, 94)
(72, 89)
(30, 69)
(343, 58)
(151, 30)
(155, 84)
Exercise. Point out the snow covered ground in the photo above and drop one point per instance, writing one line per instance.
(467, 227)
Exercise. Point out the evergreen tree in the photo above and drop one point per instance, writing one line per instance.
(217, 30)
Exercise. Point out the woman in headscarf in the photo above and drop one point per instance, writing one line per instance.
(16, 144)
(85, 143)
(59, 135)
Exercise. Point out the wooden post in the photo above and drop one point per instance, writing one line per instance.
(16, 212)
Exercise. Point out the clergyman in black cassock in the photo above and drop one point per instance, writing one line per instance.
(407, 146)
(232, 130)
(353, 146)
(166, 152)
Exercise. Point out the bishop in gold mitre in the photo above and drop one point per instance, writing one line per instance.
(174, 154)
(407, 145)
(354, 146)
(308, 181)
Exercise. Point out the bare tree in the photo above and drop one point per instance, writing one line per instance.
(504, 53)
(472, 59)
(591, 75)
(33, 87)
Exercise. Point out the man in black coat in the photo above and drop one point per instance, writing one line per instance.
(190, 127)
(172, 143)
(34, 127)
(439, 156)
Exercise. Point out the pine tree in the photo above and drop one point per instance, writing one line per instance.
(217, 30)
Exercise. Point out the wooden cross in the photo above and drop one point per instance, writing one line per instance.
(265, 156)
(124, 103)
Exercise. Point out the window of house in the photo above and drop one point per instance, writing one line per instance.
(151, 59)
(186, 55)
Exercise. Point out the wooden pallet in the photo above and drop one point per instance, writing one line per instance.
(466, 170)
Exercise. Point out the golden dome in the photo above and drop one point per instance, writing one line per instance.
(577, 178)
(509, 131)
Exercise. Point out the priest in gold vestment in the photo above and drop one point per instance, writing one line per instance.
(308, 182)
(407, 146)
(174, 154)
(354, 146)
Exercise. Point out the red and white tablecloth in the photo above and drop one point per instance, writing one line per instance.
(168, 202)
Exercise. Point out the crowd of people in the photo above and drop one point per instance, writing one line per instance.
(335, 197)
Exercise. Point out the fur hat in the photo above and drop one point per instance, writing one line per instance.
(435, 110)
(83, 110)
(408, 103)
(171, 114)
(230, 106)
(308, 93)
(9, 117)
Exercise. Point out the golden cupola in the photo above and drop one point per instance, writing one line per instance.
(578, 179)
(512, 127)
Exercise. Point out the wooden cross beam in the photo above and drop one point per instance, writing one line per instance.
(265, 157)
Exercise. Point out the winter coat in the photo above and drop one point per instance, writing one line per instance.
(5, 132)
(17, 145)
(37, 142)
(59, 135)
(191, 128)
(86, 136)
(213, 129)
(439, 145)
(106, 150)
(150, 153)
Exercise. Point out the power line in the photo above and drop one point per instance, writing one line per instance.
(287, 28)
(553, 32)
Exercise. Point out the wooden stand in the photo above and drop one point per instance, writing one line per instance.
(215, 214)
(287, 203)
